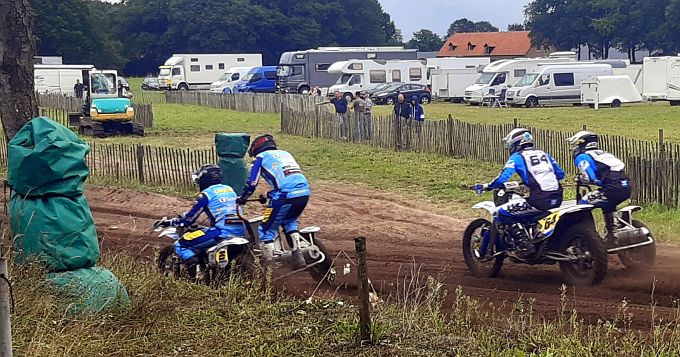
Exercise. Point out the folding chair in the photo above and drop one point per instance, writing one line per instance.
(501, 101)
(486, 99)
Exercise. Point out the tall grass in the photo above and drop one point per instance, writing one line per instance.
(170, 317)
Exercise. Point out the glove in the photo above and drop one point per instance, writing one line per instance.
(479, 188)
(262, 199)
(241, 201)
(176, 221)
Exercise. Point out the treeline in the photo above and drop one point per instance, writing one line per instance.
(627, 25)
(138, 35)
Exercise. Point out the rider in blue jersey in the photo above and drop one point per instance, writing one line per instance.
(218, 202)
(602, 169)
(289, 192)
(538, 171)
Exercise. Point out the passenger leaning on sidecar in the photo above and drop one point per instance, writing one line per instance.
(538, 171)
(218, 201)
(602, 169)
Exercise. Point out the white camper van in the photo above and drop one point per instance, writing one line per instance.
(609, 90)
(360, 75)
(198, 71)
(456, 62)
(58, 78)
(225, 84)
(503, 73)
(661, 79)
(554, 84)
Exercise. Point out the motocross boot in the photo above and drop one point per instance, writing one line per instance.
(268, 250)
(298, 257)
(193, 267)
(610, 240)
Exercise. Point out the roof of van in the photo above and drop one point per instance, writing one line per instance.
(576, 67)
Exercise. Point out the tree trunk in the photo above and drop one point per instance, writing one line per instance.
(17, 48)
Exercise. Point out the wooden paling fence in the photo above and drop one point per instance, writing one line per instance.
(57, 107)
(654, 167)
(245, 102)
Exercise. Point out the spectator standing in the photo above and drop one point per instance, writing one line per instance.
(368, 114)
(340, 104)
(358, 106)
(402, 115)
(417, 113)
(78, 88)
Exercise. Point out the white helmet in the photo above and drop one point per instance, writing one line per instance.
(517, 139)
(582, 141)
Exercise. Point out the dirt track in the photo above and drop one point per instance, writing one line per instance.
(398, 236)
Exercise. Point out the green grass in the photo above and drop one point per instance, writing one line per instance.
(168, 317)
(639, 121)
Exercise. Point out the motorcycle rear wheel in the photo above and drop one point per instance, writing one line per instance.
(641, 257)
(471, 245)
(584, 240)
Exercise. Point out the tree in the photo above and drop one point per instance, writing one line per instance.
(485, 26)
(17, 48)
(516, 27)
(425, 40)
(465, 25)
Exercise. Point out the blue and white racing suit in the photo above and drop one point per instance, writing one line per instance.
(541, 174)
(219, 204)
(606, 171)
(288, 197)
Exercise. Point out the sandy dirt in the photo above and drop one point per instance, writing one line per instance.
(401, 238)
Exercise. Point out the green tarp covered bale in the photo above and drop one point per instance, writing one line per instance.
(48, 214)
(90, 290)
(57, 231)
(231, 148)
(46, 158)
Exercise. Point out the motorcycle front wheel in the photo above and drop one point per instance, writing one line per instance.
(168, 263)
(641, 257)
(484, 266)
(591, 267)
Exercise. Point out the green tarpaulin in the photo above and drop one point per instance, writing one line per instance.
(90, 290)
(46, 158)
(57, 231)
(231, 148)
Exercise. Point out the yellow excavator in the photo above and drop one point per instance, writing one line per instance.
(106, 112)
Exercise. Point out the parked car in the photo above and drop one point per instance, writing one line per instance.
(150, 83)
(383, 87)
(389, 95)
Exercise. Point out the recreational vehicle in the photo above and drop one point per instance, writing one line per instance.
(450, 84)
(360, 75)
(198, 71)
(554, 84)
(661, 79)
(503, 73)
(300, 71)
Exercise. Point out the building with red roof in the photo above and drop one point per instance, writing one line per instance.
(497, 45)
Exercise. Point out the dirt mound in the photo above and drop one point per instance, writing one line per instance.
(401, 238)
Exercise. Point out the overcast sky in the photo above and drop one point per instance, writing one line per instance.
(436, 15)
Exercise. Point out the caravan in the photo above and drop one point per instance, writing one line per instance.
(503, 73)
(450, 84)
(662, 79)
(198, 71)
(554, 84)
(360, 75)
(609, 90)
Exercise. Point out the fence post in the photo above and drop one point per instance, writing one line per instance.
(362, 285)
(5, 322)
(140, 162)
(515, 122)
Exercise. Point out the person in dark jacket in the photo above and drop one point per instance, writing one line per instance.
(417, 113)
(402, 113)
(78, 88)
(401, 108)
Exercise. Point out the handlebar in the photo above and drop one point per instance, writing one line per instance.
(262, 199)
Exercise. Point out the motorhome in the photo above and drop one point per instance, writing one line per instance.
(450, 84)
(59, 78)
(198, 71)
(225, 84)
(360, 75)
(662, 79)
(609, 90)
(300, 71)
(554, 84)
(457, 62)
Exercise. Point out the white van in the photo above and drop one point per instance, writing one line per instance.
(58, 78)
(360, 75)
(609, 90)
(556, 84)
(503, 73)
(225, 84)
(661, 79)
